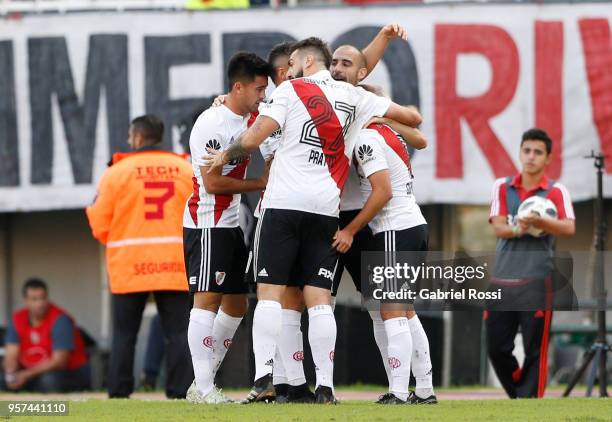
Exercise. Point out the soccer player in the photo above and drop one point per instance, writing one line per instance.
(523, 268)
(215, 253)
(320, 119)
(384, 168)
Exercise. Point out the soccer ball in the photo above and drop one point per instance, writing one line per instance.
(537, 205)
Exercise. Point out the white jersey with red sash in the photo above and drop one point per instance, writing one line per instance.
(320, 119)
(380, 148)
(216, 128)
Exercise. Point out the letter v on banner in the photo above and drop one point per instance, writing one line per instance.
(499, 49)
(329, 129)
(597, 46)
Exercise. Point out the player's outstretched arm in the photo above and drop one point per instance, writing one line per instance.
(376, 49)
(247, 142)
(406, 115)
(380, 195)
(412, 137)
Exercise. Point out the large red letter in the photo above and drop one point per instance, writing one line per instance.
(598, 59)
(497, 46)
(549, 87)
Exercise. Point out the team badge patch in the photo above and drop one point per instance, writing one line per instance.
(394, 363)
(220, 277)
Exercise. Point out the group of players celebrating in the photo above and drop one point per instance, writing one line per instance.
(337, 181)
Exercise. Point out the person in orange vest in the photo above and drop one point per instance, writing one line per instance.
(138, 215)
(45, 351)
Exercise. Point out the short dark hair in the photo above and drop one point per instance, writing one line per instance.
(279, 50)
(245, 66)
(317, 46)
(151, 127)
(33, 283)
(536, 134)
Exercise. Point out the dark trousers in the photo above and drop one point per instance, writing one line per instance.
(502, 327)
(57, 381)
(156, 348)
(173, 308)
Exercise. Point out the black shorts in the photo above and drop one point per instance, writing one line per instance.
(351, 260)
(249, 274)
(293, 248)
(401, 247)
(215, 259)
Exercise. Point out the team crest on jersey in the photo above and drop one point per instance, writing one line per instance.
(365, 153)
(219, 277)
(213, 144)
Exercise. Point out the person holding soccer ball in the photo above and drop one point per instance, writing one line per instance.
(524, 265)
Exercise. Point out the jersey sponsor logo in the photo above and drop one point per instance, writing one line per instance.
(263, 273)
(298, 356)
(208, 342)
(365, 153)
(326, 273)
(227, 343)
(193, 280)
(394, 363)
(219, 277)
(270, 362)
(213, 144)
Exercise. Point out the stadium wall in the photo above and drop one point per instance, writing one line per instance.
(480, 73)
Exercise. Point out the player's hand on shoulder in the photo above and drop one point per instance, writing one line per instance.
(220, 100)
(394, 30)
(343, 241)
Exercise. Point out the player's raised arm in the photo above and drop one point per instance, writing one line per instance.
(376, 49)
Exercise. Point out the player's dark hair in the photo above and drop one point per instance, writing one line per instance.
(33, 283)
(316, 46)
(245, 66)
(279, 50)
(536, 134)
(150, 127)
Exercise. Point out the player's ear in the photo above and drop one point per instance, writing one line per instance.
(362, 73)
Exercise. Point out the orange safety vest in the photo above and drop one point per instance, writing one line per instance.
(138, 215)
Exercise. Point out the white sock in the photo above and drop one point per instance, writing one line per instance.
(322, 338)
(380, 336)
(223, 332)
(421, 360)
(291, 346)
(199, 336)
(266, 329)
(278, 369)
(400, 351)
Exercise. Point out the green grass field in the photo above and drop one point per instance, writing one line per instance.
(574, 409)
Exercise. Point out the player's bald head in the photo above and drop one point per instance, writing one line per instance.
(348, 65)
(353, 53)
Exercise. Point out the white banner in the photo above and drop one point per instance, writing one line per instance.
(481, 75)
